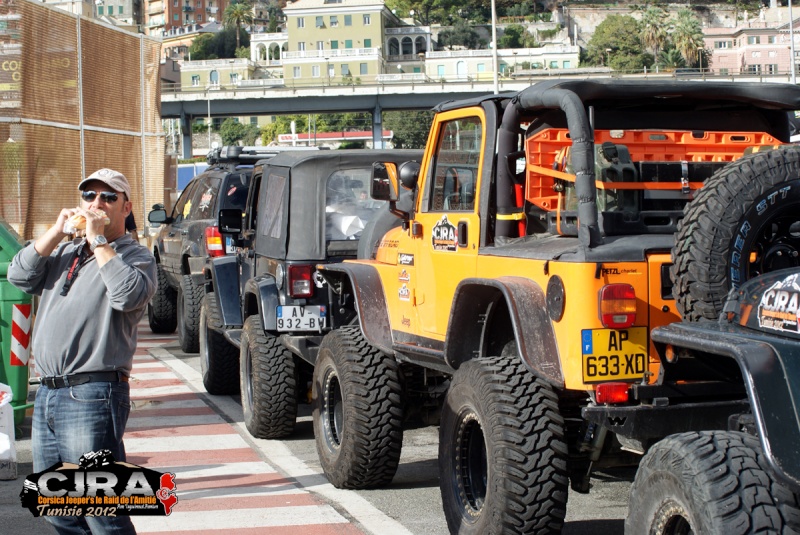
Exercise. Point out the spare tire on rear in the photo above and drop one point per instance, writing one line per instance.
(745, 221)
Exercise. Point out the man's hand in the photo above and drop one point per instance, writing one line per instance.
(95, 224)
(50, 239)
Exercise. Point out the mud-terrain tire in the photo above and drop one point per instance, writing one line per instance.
(161, 310)
(219, 359)
(268, 383)
(189, 300)
(358, 413)
(742, 223)
(709, 482)
(502, 452)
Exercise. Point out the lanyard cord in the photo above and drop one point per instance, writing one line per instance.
(77, 263)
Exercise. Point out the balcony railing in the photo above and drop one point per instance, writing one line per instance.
(188, 8)
(330, 54)
(408, 30)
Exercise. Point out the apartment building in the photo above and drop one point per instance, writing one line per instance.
(336, 41)
(164, 15)
(749, 50)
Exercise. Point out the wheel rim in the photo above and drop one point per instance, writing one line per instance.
(472, 468)
(332, 410)
(204, 356)
(247, 386)
(774, 244)
(671, 519)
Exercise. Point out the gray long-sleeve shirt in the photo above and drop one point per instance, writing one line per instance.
(93, 328)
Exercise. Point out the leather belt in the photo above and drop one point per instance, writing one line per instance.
(83, 378)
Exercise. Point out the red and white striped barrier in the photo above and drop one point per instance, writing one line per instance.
(20, 335)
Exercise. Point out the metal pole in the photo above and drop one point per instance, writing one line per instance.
(494, 47)
(208, 97)
(791, 44)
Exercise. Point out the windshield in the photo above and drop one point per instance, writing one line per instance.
(348, 205)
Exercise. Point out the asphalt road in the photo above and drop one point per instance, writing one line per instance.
(413, 499)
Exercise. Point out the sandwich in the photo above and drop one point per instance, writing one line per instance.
(78, 222)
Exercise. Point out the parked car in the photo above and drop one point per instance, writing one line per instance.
(189, 236)
(267, 309)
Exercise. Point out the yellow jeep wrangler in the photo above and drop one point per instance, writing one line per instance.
(548, 232)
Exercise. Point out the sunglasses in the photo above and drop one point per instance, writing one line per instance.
(106, 196)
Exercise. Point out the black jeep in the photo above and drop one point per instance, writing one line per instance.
(189, 235)
(266, 308)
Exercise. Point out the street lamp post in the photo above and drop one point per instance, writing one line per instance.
(608, 58)
(208, 98)
(791, 44)
(494, 48)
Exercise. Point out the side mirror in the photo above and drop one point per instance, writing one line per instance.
(230, 220)
(157, 216)
(383, 185)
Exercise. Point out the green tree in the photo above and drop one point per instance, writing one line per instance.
(654, 28)
(670, 59)
(250, 134)
(202, 48)
(688, 36)
(513, 37)
(231, 131)
(461, 34)
(236, 15)
(616, 41)
(410, 128)
(243, 52)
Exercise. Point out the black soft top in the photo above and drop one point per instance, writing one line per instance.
(301, 235)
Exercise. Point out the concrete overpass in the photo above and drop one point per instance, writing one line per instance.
(226, 101)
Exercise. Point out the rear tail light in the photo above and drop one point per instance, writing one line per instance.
(300, 284)
(611, 393)
(214, 242)
(617, 306)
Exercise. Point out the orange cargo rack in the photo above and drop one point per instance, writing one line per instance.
(543, 147)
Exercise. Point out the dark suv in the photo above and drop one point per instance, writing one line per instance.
(267, 308)
(189, 236)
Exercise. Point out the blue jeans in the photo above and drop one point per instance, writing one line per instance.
(71, 421)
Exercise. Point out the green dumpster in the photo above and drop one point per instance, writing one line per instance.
(16, 318)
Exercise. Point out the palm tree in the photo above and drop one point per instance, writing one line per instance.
(655, 27)
(688, 36)
(670, 59)
(236, 15)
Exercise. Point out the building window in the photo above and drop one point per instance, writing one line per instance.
(301, 46)
(254, 121)
(367, 20)
(175, 17)
(320, 23)
(367, 43)
(320, 45)
(565, 65)
(334, 21)
(753, 40)
(334, 45)
(363, 68)
(348, 20)
(296, 72)
(723, 72)
(753, 69)
(348, 43)
(481, 67)
(772, 69)
(440, 71)
(100, 10)
(315, 71)
(175, 3)
(195, 80)
(554, 65)
(119, 10)
(771, 39)
(345, 69)
(235, 78)
(331, 71)
(722, 44)
(199, 18)
(301, 22)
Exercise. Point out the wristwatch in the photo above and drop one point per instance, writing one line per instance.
(98, 241)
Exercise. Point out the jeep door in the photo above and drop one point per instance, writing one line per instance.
(448, 214)
(173, 234)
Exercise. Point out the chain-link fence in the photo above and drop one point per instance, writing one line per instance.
(75, 95)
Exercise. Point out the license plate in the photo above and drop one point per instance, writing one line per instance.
(301, 318)
(613, 354)
(230, 247)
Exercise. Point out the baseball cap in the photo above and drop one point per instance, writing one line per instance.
(114, 179)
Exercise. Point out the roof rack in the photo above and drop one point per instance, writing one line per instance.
(235, 153)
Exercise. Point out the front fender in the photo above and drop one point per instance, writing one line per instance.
(771, 368)
(527, 309)
(370, 300)
(264, 292)
(225, 278)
